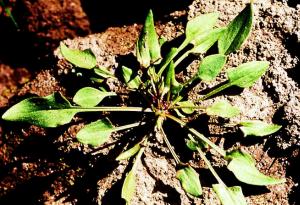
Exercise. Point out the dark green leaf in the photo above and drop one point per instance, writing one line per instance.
(171, 81)
(243, 167)
(90, 97)
(129, 186)
(196, 143)
(188, 107)
(103, 72)
(222, 109)
(129, 153)
(190, 182)
(95, 133)
(237, 31)
(206, 40)
(245, 75)
(258, 128)
(211, 66)
(148, 48)
(230, 195)
(82, 59)
(132, 81)
(50, 111)
(200, 24)
(167, 59)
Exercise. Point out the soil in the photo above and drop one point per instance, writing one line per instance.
(48, 166)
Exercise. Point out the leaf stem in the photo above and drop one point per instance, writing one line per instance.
(181, 58)
(124, 127)
(215, 91)
(197, 134)
(191, 107)
(176, 158)
(110, 109)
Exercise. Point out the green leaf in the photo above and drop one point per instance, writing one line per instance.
(188, 104)
(200, 24)
(50, 111)
(103, 72)
(171, 81)
(129, 187)
(230, 195)
(148, 48)
(190, 182)
(90, 97)
(258, 128)
(82, 59)
(195, 143)
(95, 133)
(237, 31)
(245, 75)
(129, 153)
(211, 66)
(222, 109)
(243, 167)
(132, 81)
(206, 40)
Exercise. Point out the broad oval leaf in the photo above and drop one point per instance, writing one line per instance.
(245, 75)
(258, 128)
(243, 167)
(229, 195)
(82, 59)
(222, 109)
(190, 182)
(237, 31)
(129, 186)
(129, 153)
(200, 24)
(51, 111)
(206, 40)
(187, 106)
(148, 48)
(103, 72)
(211, 66)
(90, 97)
(95, 133)
(132, 81)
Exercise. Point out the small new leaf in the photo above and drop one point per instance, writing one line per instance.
(129, 153)
(148, 48)
(51, 111)
(237, 31)
(95, 133)
(128, 188)
(222, 109)
(187, 107)
(200, 24)
(211, 66)
(258, 128)
(103, 72)
(243, 167)
(82, 59)
(230, 195)
(90, 97)
(190, 182)
(132, 81)
(245, 75)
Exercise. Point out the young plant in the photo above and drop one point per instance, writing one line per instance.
(163, 99)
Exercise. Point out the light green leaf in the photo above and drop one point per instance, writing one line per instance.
(243, 167)
(190, 182)
(258, 128)
(206, 40)
(51, 111)
(148, 48)
(95, 133)
(103, 72)
(129, 153)
(129, 186)
(188, 106)
(90, 97)
(245, 75)
(230, 195)
(211, 66)
(200, 24)
(171, 81)
(132, 81)
(82, 59)
(237, 31)
(222, 109)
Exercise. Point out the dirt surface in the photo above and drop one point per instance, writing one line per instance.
(48, 166)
